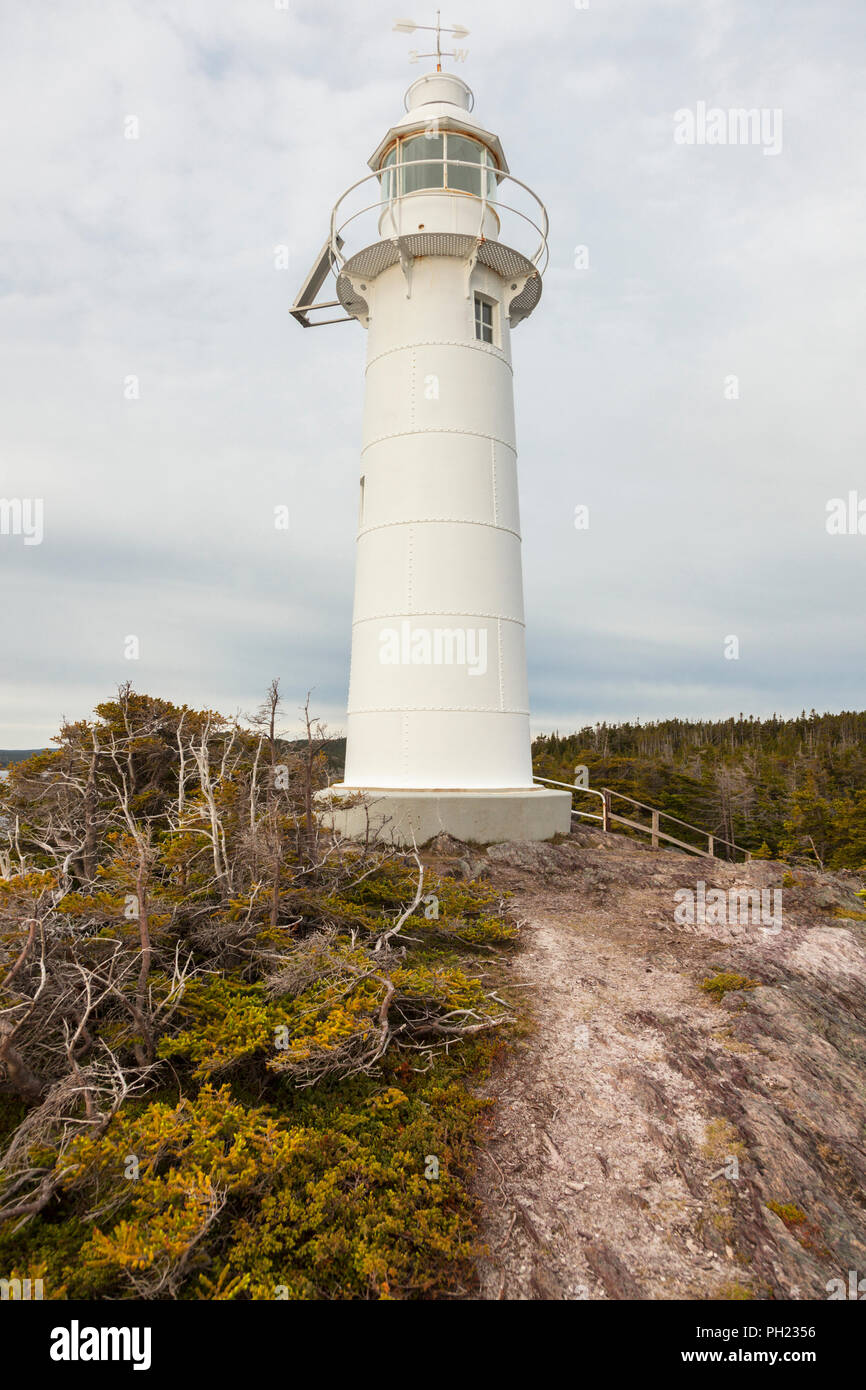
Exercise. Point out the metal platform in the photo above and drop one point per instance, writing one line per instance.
(372, 260)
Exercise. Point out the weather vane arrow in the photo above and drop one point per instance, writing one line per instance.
(408, 26)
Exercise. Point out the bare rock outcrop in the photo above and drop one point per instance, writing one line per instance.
(686, 1118)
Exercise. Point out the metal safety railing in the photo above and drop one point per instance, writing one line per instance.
(395, 201)
(608, 818)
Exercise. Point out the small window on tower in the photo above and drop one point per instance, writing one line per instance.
(483, 319)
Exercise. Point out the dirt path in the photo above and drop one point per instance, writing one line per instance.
(642, 1127)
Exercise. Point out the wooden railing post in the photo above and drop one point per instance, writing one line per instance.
(655, 832)
(712, 848)
(605, 810)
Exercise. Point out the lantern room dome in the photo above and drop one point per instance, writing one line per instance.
(439, 86)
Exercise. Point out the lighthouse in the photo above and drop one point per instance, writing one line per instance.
(438, 254)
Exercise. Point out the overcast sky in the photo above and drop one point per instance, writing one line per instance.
(154, 258)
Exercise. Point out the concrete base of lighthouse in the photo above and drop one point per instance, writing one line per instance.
(478, 817)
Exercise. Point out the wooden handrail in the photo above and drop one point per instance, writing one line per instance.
(654, 830)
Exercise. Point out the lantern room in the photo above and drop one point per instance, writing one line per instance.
(439, 148)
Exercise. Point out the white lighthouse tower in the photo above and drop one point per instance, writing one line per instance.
(438, 732)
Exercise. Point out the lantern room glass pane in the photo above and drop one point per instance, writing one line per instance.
(466, 180)
(421, 175)
(387, 178)
(490, 176)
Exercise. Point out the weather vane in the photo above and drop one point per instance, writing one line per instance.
(408, 26)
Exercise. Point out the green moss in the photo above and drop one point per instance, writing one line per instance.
(790, 1214)
(717, 986)
(735, 1292)
(807, 1232)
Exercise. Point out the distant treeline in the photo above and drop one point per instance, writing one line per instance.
(786, 787)
(17, 755)
(333, 748)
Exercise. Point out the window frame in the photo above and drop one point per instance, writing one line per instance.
(482, 302)
(391, 165)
